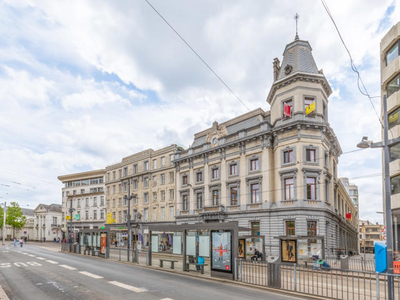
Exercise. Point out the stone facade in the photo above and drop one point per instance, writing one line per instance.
(47, 222)
(369, 234)
(148, 175)
(86, 190)
(390, 86)
(274, 172)
(26, 231)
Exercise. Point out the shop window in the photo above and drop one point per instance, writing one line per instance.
(290, 228)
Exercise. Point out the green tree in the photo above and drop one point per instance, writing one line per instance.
(15, 217)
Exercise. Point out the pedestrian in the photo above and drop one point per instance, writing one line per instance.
(15, 242)
(21, 242)
(26, 240)
(54, 240)
(257, 254)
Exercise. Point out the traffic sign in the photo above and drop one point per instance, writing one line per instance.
(384, 233)
(67, 217)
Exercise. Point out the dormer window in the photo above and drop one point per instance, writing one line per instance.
(287, 108)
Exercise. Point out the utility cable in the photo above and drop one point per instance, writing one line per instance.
(353, 66)
(198, 55)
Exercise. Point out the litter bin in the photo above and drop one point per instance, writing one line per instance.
(274, 272)
(344, 262)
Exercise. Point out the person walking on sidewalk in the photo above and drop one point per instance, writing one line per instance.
(15, 242)
(21, 242)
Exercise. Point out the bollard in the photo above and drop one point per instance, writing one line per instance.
(295, 278)
(235, 266)
(119, 250)
(137, 256)
(147, 257)
(377, 286)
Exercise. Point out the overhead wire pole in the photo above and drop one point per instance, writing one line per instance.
(4, 220)
(198, 55)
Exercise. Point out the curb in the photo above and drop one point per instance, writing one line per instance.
(3, 295)
(213, 279)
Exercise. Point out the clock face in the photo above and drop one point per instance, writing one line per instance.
(215, 141)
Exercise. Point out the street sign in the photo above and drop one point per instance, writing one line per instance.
(67, 217)
(384, 233)
(77, 217)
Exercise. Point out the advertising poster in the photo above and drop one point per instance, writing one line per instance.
(289, 251)
(177, 244)
(204, 246)
(191, 245)
(221, 251)
(103, 243)
(241, 248)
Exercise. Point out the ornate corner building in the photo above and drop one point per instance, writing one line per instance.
(273, 171)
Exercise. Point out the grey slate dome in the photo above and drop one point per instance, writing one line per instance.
(297, 57)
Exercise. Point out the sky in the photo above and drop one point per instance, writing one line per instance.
(85, 83)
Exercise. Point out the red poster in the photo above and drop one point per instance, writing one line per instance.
(103, 243)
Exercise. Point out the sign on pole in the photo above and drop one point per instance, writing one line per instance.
(67, 217)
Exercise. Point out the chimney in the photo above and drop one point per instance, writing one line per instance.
(277, 68)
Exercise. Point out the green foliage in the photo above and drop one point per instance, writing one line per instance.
(15, 216)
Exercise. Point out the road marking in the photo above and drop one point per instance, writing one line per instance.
(31, 255)
(166, 299)
(17, 264)
(52, 262)
(41, 258)
(6, 251)
(68, 267)
(5, 265)
(128, 287)
(91, 275)
(34, 263)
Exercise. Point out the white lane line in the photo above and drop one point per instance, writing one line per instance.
(6, 251)
(31, 255)
(91, 275)
(128, 287)
(41, 258)
(166, 299)
(68, 267)
(52, 262)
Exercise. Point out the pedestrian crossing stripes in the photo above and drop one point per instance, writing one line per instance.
(91, 275)
(41, 258)
(127, 287)
(68, 267)
(52, 262)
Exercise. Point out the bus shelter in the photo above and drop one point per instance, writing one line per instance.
(300, 249)
(94, 242)
(214, 245)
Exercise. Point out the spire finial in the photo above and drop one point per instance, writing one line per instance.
(296, 17)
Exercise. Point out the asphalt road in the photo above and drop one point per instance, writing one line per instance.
(36, 273)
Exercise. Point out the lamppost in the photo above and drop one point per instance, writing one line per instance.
(4, 220)
(365, 143)
(129, 198)
(71, 210)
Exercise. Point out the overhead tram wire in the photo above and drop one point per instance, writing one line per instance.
(353, 66)
(198, 55)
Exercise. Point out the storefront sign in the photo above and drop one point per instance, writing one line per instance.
(221, 251)
(289, 251)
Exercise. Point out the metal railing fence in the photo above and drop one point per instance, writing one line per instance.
(329, 283)
(355, 263)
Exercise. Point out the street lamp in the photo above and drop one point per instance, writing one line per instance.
(4, 220)
(129, 198)
(365, 143)
(71, 210)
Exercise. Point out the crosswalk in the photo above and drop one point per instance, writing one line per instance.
(122, 285)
